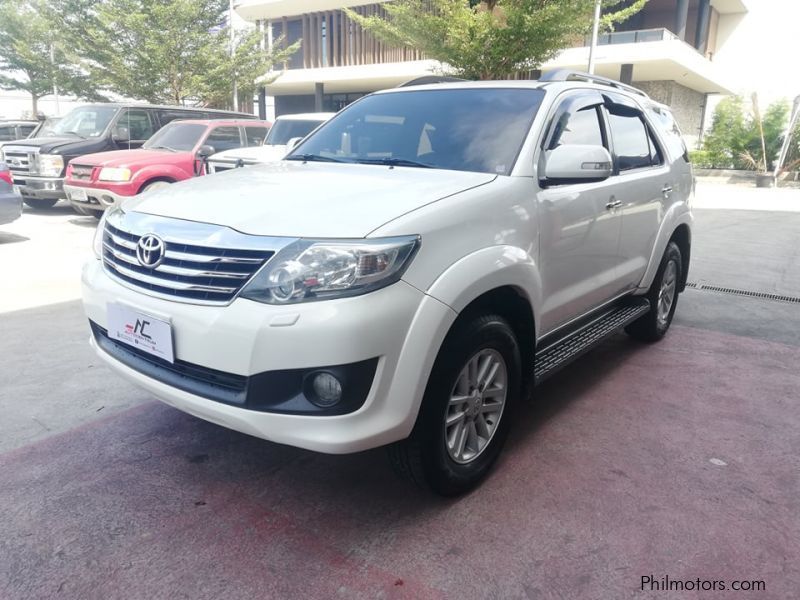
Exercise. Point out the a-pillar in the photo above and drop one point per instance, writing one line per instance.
(626, 73)
(319, 91)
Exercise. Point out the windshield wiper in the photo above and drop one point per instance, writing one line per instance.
(161, 148)
(75, 133)
(394, 162)
(315, 157)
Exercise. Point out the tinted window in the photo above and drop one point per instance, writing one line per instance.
(138, 122)
(578, 128)
(674, 138)
(631, 143)
(167, 116)
(8, 132)
(86, 121)
(255, 134)
(26, 130)
(182, 137)
(463, 129)
(285, 129)
(224, 138)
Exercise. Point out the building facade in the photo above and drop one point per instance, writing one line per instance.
(667, 49)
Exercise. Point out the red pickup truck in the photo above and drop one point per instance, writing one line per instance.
(174, 153)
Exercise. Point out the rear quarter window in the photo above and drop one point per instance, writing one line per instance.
(670, 131)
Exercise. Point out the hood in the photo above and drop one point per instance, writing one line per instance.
(132, 158)
(257, 153)
(68, 146)
(292, 199)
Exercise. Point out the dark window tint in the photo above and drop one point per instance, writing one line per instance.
(478, 130)
(8, 133)
(578, 128)
(255, 134)
(181, 137)
(26, 130)
(167, 116)
(138, 122)
(285, 129)
(224, 138)
(631, 141)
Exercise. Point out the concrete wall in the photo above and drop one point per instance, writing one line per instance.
(686, 104)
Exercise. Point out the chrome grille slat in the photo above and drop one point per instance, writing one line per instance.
(188, 271)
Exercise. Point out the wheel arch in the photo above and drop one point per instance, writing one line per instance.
(682, 236)
(150, 180)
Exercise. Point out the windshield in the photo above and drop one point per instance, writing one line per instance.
(86, 122)
(46, 128)
(478, 129)
(285, 129)
(181, 137)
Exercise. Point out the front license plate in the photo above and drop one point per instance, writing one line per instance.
(140, 331)
(78, 195)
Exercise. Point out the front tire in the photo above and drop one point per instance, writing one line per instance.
(39, 203)
(466, 412)
(663, 297)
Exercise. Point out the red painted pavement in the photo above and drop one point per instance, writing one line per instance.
(606, 479)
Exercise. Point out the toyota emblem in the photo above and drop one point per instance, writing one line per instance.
(150, 251)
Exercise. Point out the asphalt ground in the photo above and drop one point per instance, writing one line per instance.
(677, 459)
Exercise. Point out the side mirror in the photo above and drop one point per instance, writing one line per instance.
(121, 134)
(293, 142)
(577, 163)
(205, 151)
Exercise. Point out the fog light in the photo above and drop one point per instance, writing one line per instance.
(327, 389)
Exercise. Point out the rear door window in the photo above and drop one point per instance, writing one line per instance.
(633, 146)
(224, 138)
(140, 125)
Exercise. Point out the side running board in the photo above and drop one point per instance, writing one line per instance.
(561, 352)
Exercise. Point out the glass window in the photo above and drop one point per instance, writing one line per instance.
(285, 129)
(478, 130)
(86, 121)
(138, 122)
(631, 141)
(256, 134)
(177, 136)
(578, 128)
(674, 139)
(8, 133)
(167, 116)
(224, 138)
(26, 130)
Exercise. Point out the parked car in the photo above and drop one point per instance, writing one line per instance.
(16, 130)
(407, 273)
(44, 127)
(10, 200)
(174, 153)
(285, 129)
(38, 164)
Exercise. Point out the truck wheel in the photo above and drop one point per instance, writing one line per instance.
(39, 203)
(466, 411)
(663, 297)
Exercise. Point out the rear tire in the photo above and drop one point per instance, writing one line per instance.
(663, 297)
(467, 409)
(39, 203)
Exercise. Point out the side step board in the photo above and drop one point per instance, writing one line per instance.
(560, 353)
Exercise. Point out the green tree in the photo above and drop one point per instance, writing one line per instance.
(35, 56)
(727, 139)
(494, 39)
(168, 51)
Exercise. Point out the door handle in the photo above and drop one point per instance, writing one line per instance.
(666, 190)
(613, 203)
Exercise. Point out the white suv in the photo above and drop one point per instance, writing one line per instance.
(286, 130)
(407, 273)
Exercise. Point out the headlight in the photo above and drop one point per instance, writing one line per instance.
(310, 270)
(114, 174)
(51, 165)
(97, 243)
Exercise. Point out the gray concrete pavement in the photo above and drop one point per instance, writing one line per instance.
(675, 459)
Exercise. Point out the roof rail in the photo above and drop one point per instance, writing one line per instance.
(569, 75)
(428, 79)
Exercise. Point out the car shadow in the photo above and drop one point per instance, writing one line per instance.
(12, 238)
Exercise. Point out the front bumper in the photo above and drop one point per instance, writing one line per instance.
(399, 325)
(41, 188)
(10, 206)
(97, 199)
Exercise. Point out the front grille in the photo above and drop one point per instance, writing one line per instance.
(82, 172)
(19, 162)
(189, 272)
